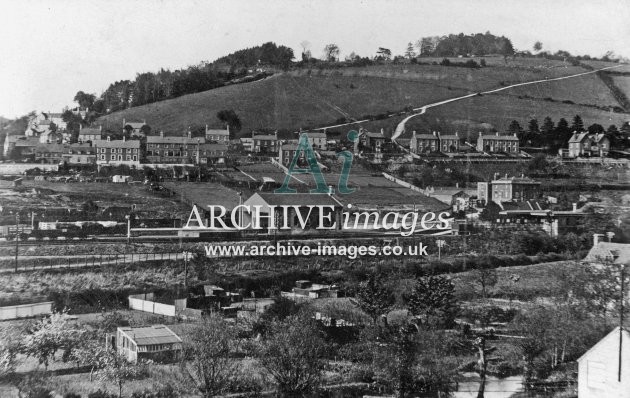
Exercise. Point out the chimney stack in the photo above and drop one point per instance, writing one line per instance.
(610, 235)
(162, 133)
(574, 207)
(497, 133)
(596, 239)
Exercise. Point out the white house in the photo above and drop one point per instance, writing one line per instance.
(599, 373)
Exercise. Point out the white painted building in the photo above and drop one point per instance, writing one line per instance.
(598, 368)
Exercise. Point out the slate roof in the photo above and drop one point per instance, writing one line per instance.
(578, 137)
(618, 252)
(217, 132)
(156, 334)
(89, 131)
(499, 137)
(156, 139)
(117, 144)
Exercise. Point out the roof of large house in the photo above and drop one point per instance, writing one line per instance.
(28, 141)
(135, 125)
(213, 147)
(498, 137)
(90, 131)
(117, 144)
(578, 137)
(149, 335)
(16, 138)
(157, 139)
(619, 253)
(374, 135)
(426, 136)
(51, 148)
(268, 137)
(218, 131)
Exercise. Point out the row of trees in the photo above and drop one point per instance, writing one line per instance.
(555, 136)
(149, 87)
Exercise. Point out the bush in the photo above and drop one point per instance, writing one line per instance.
(71, 395)
(101, 394)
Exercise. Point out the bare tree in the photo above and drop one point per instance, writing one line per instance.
(209, 353)
(115, 368)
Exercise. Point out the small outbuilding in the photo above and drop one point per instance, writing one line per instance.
(157, 343)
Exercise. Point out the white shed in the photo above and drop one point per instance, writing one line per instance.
(598, 368)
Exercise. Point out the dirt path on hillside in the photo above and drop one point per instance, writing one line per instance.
(400, 129)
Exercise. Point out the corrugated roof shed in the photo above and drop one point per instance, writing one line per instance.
(156, 334)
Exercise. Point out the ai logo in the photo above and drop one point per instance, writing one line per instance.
(305, 147)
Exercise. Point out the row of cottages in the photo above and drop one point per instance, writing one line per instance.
(494, 143)
(436, 142)
(117, 152)
(587, 144)
(186, 150)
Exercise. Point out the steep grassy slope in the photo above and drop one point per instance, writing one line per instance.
(317, 97)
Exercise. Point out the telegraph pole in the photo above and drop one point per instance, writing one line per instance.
(17, 239)
(621, 310)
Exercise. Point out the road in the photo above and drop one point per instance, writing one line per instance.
(400, 129)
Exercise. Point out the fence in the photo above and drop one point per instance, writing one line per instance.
(27, 263)
(25, 310)
(145, 303)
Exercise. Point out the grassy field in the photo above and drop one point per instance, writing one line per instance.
(623, 82)
(307, 98)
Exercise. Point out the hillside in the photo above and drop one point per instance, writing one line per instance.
(313, 97)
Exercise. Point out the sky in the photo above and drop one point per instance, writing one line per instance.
(52, 49)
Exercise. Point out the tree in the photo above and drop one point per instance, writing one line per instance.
(115, 368)
(486, 275)
(292, 354)
(209, 352)
(578, 124)
(331, 52)
(84, 100)
(562, 134)
(50, 335)
(533, 133)
(384, 54)
(432, 301)
(514, 128)
(373, 297)
(596, 128)
(410, 52)
(230, 117)
(490, 212)
(547, 127)
(538, 46)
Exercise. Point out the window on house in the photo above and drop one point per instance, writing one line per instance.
(113, 157)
